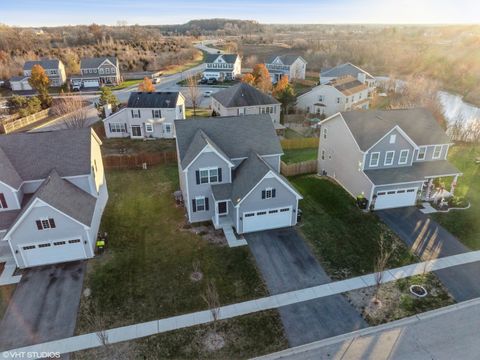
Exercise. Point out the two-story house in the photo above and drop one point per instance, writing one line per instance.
(54, 69)
(342, 94)
(147, 115)
(229, 170)
(95, 72)
(294, 66)
(244, 99)
(222, 66)
(342, 70)
(52, 196)
(390, 157)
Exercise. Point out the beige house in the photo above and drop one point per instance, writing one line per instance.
(54, 69)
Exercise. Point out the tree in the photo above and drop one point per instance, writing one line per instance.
(381, 261)
(40, 82)
(106, 98)
(262, 77)
(24, 106)
(193, 93)
(281, 85)
(212, 300)
(146, 85)
(248, 79)
(74, 110)
(285, 93)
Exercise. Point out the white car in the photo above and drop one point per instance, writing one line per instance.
(207, 93)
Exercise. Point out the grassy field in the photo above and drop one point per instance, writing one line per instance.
(292, 134)
(127, 83)
(200, 112)
(6, 293)
(299, 155)
(344, 238)
(182, 67)
(145, 272)
(116, 146)
(465, 224)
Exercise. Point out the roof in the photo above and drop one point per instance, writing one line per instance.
(199, 141)
(8, 174)
(243, 94)
(18, 78)
(222, 191)
(229, 58)
(7, 218)
(237, 136)
(93, 63)
(419, 171)
(345, 69)
(34, 155)
(348, 85)
(369, 126)
(153, 99)
(287, 59)
(46, 64)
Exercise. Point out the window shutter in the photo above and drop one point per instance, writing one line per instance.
(133, 114)
(110, 127)
(194, 205)
(263, 194)
(219, 174)
(39, 225)
(138, 112)
(153, 113)
(274, 191)
(197, 174)
(3, 202)
(206, 203)
(125, 125)
(52, 223)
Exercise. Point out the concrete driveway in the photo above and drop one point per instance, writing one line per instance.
(427, 239)
(286, 264)
(44, 306)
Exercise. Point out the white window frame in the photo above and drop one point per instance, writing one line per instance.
(402, 152)
(393, 139)
(386, 157)
(424, 148)
(117, 127)
(268, 193)
(197, 199)
(157, 114)
(44, 221)
(439, 152)
(209, 175)
(148, 128)
(371, 164)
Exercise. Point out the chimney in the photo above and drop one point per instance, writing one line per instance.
(362, 77)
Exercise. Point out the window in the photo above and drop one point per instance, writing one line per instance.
(148, 127)
(168, 128)
(269, 193)
(261, 213)
(393, 138)
(107, 70)
(45, 224)
(3, 202)
(74, 241)
(403, 157)
(156, 114)
(284, 209)
(273, 211)
(374, 159)
(389, 155)
(325, 131)
(205, 176)
(323, 154)
(100, 71)
(59, 243)
(44, 245)
(30, 247)
(116, 127)
(338, 100)
(136, 114)
(437, 151)
(200, 204)
(421, 153)
(321, 98)
(249, 214)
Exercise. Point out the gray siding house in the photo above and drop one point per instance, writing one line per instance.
(54, 69)
(390, 157)
(229, 171)
(52, 196)
(95, 72)
(294, 66)
(147, 115)
(222, 66)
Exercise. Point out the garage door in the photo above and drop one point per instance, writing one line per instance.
(52, 252)
(396, 198)
(267, 219)
(90, 83)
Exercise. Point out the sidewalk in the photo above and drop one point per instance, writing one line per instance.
(130, 332)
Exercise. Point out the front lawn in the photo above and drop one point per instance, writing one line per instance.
(146, 271)
(201, 112)
(133, 146)
(465, 224)
(298, 155)
(127, 83)
(345, 239)
(292, 134)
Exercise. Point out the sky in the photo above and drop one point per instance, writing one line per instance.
(151, 12)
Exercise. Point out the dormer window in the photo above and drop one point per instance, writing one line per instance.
(374, 159)
(393, 138)
(437, 152)
(422, 151)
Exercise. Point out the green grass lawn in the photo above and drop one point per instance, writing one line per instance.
(344, 238)
(465, 224)
(127, 83)
(299, 155)
(200, 112)
(115, 146)
(145, 273)
(292, 134)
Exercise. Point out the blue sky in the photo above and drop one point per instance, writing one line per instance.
(71, 12)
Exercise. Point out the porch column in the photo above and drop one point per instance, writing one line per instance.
(454, 185)
(429, 189)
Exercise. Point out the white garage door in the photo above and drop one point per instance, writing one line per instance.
(52, 252)
(396, 198)
(267, 219)
(90, 83)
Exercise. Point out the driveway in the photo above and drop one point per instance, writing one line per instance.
(427, 239)
(287, 264)
(44, 306)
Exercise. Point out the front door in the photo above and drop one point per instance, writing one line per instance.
(222, 208)
(136, 130)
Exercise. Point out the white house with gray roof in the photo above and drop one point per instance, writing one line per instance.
(229, 170)
(244, 99)
(54, 69)
(147, 115)
(391, 157)
(222, 66)
(52, 196)
(349, 69)
(95, 72)
(294, 66)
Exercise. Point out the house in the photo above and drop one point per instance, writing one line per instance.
(52, 196)
(293, 66)
(244, 99)
(390, 157)
(342, 94)
(229, 171)
(222, 66)
(147, 115)
(95, 72)
(349, 69)
(54, 69)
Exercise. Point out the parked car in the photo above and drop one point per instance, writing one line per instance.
(212, 81)
(203, 81)
(207, 93)
(156, 80)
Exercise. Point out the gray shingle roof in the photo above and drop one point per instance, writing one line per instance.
(153, 100)
(237, 136)
(419, 171)
(93, 63)
(370, 126)
(229, 58)
(199, 141)
(222, 191)
(18, 78)
(243, 95)
(344, 69)
(34, 155)
(7, 218)
(46, 64)
(8, 174)
(287, 59)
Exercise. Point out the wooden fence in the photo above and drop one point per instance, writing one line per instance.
(136, 161)
(304, 167)
(299, 143)
(13, 125)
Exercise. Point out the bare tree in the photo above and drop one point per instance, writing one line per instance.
(211, 299)
(381, 261)
(194, 95)
(74, 111)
